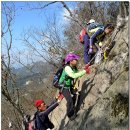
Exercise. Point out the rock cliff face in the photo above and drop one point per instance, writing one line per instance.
(103, 104)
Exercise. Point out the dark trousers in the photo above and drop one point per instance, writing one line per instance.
(86, 49)
(70, 106)
(73, 92)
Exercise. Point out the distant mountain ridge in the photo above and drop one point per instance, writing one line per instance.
(32, 72)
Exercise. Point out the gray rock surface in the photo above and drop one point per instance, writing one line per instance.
(103, 104)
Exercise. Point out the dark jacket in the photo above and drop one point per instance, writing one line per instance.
(42, 120)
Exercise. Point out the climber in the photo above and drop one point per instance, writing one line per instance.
(90, 26)
(95, 35)
(42, 120)
(70, 73)
(98, 36)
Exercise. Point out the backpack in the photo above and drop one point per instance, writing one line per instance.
(82, 33)
(89, 30)
(29, 122)
(57, 77)
(98, 57)
(93, 27)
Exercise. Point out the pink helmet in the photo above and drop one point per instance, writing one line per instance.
(71, 57)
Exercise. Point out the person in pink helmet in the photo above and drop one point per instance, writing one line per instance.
(70, 73)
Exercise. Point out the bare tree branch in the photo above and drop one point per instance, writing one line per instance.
(67, 8)
(9, 88)
(71, 14)
(42, 7)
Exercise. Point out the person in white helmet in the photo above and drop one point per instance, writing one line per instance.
(91, 21)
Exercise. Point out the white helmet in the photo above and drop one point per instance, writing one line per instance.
(91, 21)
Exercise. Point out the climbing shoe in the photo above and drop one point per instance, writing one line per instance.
(73, 117)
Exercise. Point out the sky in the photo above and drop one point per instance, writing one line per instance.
(27, 18)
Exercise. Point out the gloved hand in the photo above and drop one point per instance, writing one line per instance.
(90, 51)
(100, 44)
(87, 68)
(59, 97)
